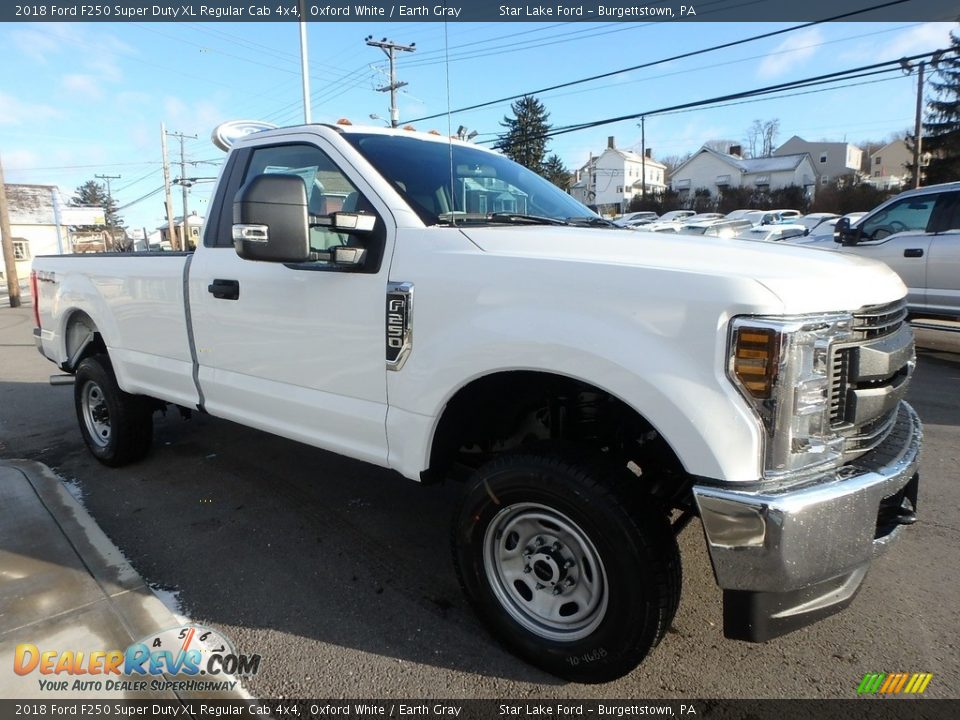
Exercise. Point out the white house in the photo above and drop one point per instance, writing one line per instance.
(833, 161)
(888, 166)
(612, 179)
(35, 224)
(194, 226)
(716, 171)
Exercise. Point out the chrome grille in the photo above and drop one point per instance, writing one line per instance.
(871, 325)
(876, 321)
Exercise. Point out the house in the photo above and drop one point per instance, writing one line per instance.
(833, 161)
(35, 224)
(194, 227)
(612, 179)
(889, 166)
(715, 171)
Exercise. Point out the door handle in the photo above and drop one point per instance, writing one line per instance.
(225, 289)
(913, 252)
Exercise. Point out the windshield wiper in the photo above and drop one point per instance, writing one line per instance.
(591, 221)
(522, 219)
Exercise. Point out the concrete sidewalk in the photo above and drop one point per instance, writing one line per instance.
(65, 586)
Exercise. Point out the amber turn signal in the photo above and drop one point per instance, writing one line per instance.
(756, 358)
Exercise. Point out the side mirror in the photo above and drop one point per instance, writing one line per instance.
(844, 234)
(270, 219)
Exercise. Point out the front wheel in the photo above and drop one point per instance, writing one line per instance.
(567, 573)
(116, 426)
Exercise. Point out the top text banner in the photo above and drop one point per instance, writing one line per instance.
(484, 11)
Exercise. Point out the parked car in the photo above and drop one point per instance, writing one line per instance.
(716, 228)
(676, 215)
(634, 217)
(773, 233)
(917, 233)
(814, 220)
(760, 217)
(787, 216)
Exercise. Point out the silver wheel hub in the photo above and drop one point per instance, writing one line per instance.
(545, 571)
(96, 414)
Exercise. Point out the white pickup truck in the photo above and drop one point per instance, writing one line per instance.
(429, 306)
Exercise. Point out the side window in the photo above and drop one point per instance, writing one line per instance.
(946, 213)
(328, 189)
(909, 214)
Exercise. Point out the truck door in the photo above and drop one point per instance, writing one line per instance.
(296, 349)
(898, 236)
(943, 265)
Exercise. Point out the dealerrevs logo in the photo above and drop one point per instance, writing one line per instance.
(184, 653)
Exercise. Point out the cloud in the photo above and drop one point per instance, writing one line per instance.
(793, 51)
(920, 38)
(86, 86)
(19, 112)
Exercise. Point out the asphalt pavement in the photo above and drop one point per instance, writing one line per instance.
(339, 574)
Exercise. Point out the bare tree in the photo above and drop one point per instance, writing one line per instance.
(754, 133)
(771, 128)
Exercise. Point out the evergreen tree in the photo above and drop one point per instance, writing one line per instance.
(556, 172)
(942, 128)
(524, 140)
(92, 193)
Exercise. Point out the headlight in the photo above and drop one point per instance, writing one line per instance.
(782, 367)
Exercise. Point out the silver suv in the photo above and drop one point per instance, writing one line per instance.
(917, 233)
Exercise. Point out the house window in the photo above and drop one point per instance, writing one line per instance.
(619, 188)
(823, 158)
(21, 249)
(825, 180)
(876, 160)
(876, 173)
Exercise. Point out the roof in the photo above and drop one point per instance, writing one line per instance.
(749, 165)
(633, 157)
(815, 143)
(31, 204)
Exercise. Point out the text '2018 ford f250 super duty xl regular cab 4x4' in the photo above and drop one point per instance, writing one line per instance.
(432, 307)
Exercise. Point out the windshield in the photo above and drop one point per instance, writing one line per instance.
(452, 183)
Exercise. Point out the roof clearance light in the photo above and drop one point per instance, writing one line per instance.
(409, 128)
(344, 121)
(226, 134)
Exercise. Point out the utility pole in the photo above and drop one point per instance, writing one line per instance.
(106, 210)
(9, 261)
(918, 128)
(166, 188)
(304, 70)
(184, 184)
(643, 157)
(389, 48)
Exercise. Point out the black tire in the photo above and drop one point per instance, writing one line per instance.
(617, 548)
(116, 426)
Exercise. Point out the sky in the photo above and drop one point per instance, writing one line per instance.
(82, 99)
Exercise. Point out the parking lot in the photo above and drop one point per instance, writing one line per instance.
(339, 575)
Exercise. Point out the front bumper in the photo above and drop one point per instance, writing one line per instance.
(787, 557)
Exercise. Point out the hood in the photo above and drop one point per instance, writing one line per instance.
(805, 279)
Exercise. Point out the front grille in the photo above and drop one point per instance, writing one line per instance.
(876, 321)
(870, 325)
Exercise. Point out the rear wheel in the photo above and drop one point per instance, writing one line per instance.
(570, 575)
(116, 426)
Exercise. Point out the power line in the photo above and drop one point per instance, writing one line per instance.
(863, 71)
(662, 61)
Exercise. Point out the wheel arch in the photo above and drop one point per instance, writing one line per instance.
(82, 338)
(497, 408)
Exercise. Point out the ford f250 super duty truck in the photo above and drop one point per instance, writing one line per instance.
(429, 306)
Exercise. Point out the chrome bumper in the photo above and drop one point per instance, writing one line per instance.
(787, 557)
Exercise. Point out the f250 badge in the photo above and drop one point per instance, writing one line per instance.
(399, 323)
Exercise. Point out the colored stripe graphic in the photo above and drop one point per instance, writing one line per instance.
(894, 683)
